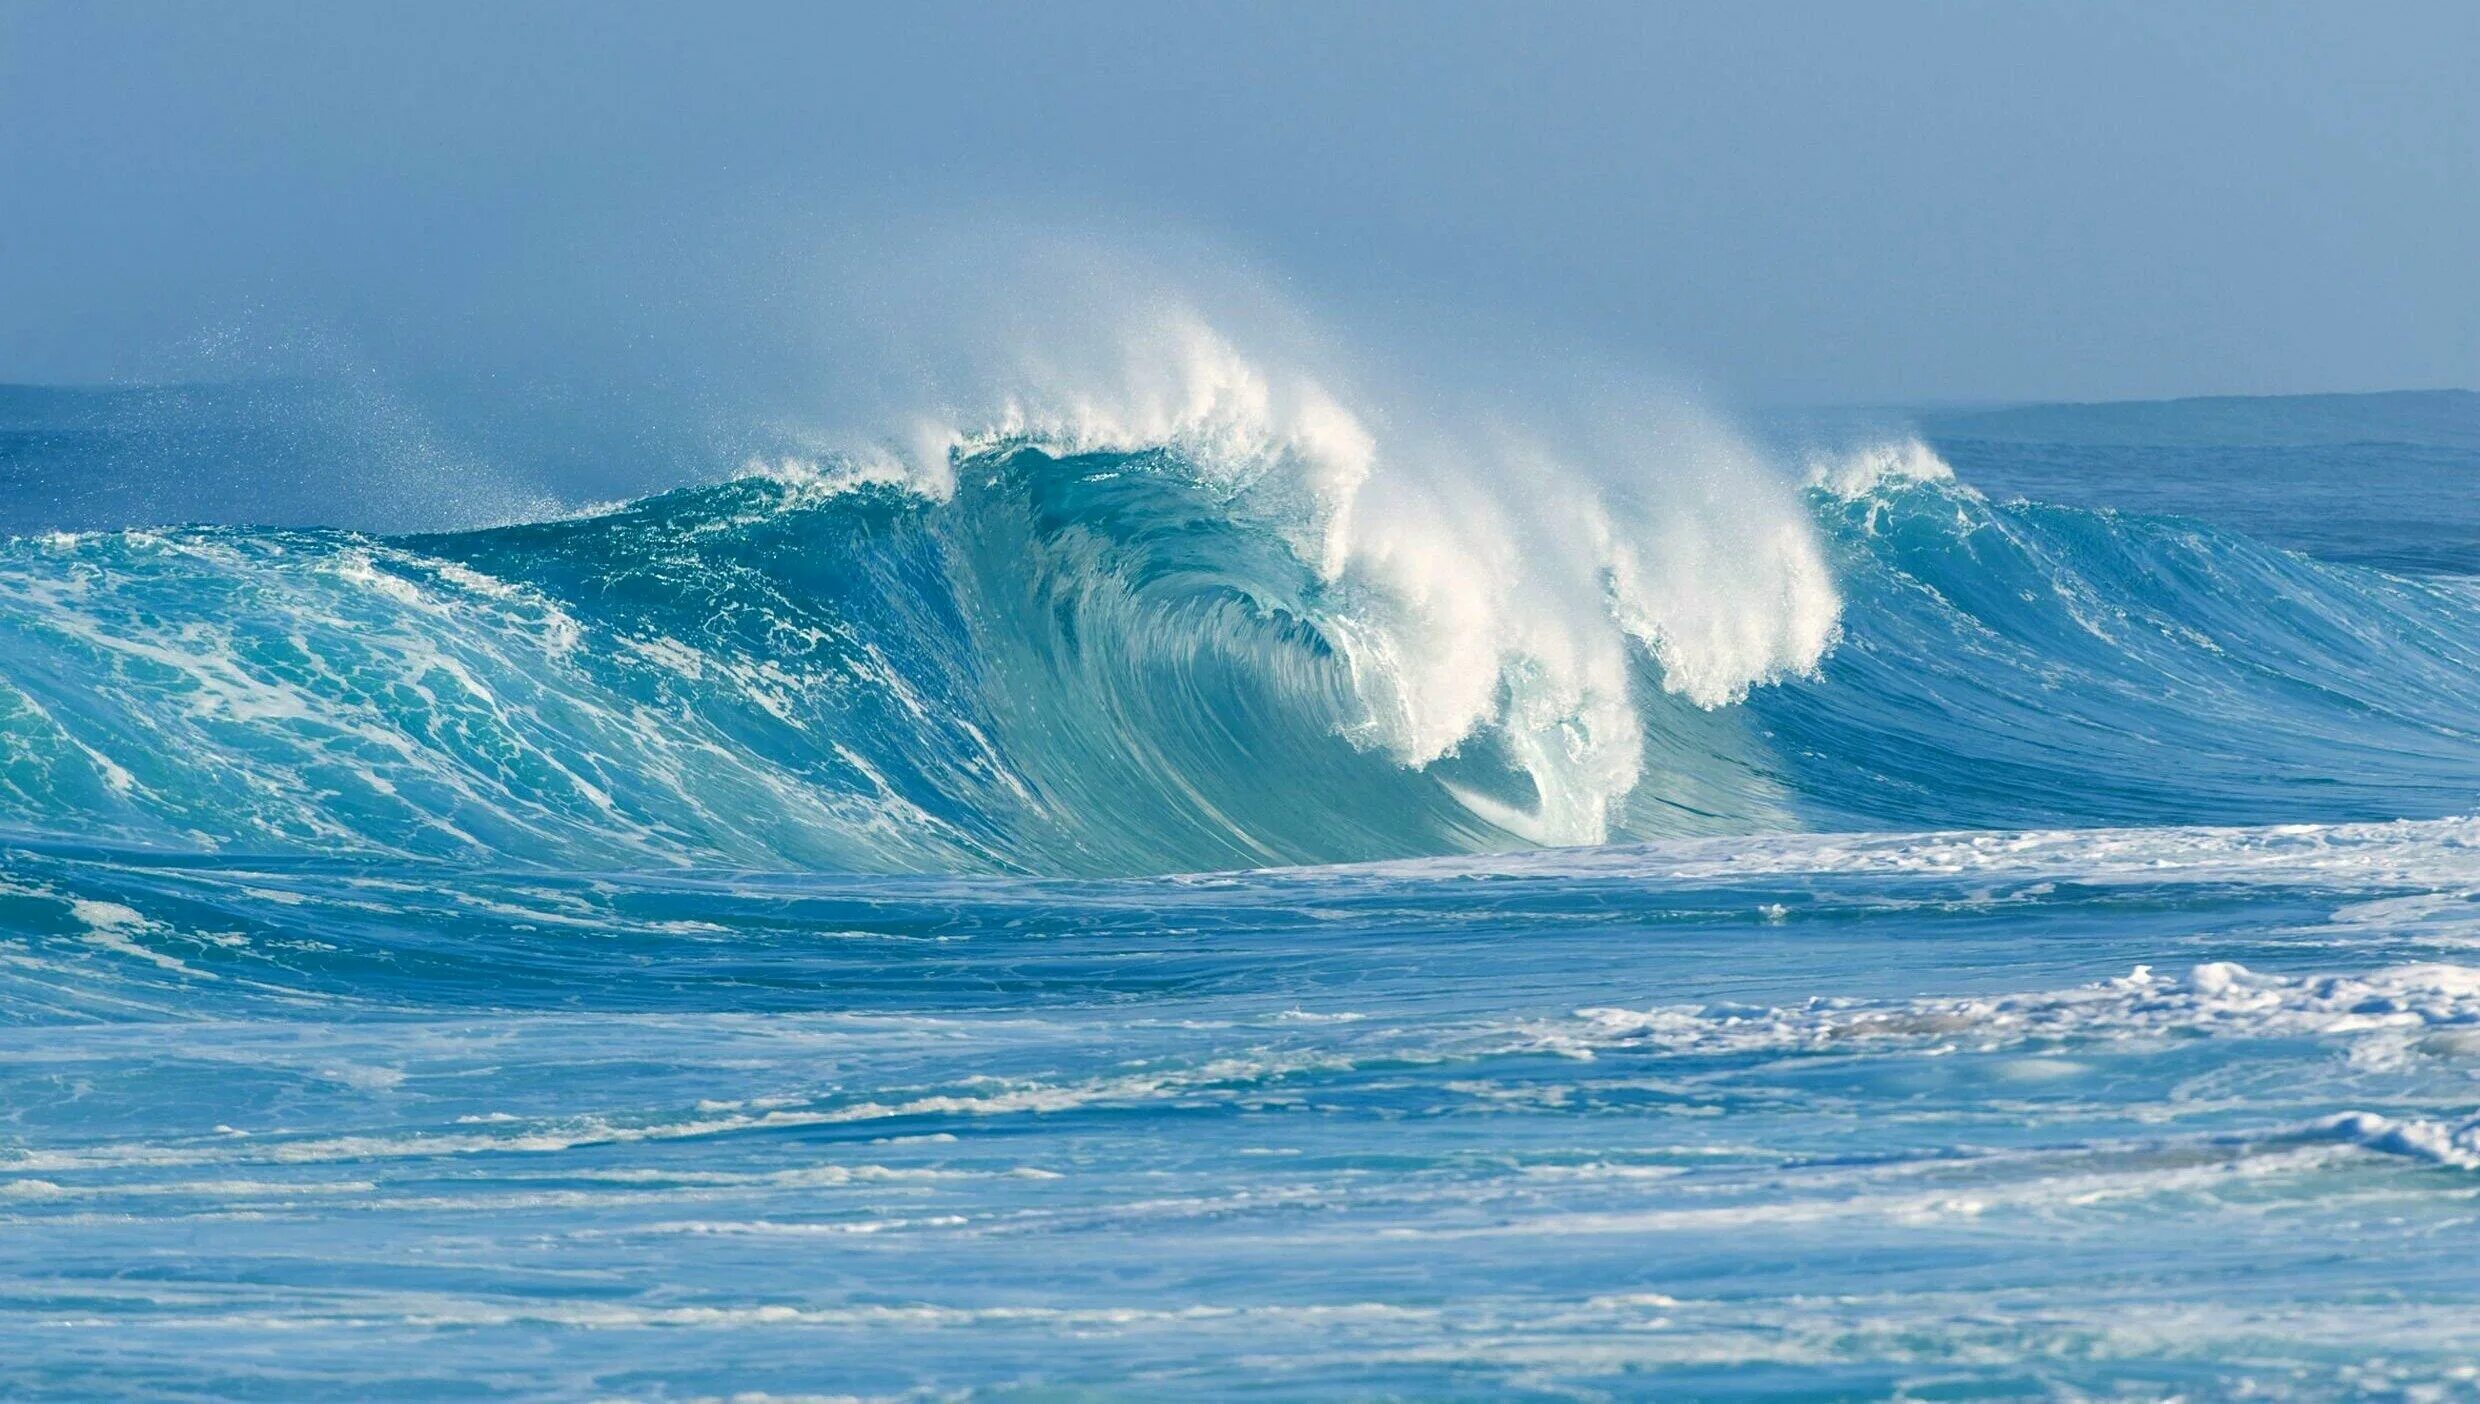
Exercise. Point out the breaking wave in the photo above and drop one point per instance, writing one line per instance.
(1225, 615)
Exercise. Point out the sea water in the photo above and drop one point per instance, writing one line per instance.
(1182, 904)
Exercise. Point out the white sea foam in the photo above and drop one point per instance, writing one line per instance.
(2389, 1015)
(1858, 472)
(115, 928)
(2430, 855)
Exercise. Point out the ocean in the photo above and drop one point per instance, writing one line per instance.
(1205, 900)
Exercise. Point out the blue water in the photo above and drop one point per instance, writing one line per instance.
(809, 934)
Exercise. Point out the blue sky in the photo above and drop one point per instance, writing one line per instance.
(1818, 203)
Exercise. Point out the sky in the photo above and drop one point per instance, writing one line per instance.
(1793, 203)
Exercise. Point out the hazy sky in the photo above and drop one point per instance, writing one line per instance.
(1793, 202)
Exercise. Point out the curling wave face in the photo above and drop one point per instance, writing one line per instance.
(1065, 654)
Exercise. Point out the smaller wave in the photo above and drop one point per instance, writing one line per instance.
(2009, 664)
(2454, 1144)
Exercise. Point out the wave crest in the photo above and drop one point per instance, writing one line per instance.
(1477, 574)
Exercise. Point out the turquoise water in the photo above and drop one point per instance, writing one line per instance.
(813, 934)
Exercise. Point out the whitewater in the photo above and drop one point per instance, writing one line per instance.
(1203, 875)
